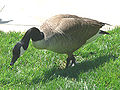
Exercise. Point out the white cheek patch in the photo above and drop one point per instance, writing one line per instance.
(21, 51)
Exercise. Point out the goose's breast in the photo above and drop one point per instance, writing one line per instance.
(41, 44)
(59, 44)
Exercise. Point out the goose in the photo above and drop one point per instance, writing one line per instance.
(63, 33)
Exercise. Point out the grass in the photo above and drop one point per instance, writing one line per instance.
(98, 66)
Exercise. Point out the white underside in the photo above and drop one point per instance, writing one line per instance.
(104, 28)
(93, 38)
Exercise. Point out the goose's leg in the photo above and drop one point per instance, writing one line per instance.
(71, 57)
(68, 62)
(73, 60)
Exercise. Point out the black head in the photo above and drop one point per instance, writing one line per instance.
(16, 53)
(35, 34)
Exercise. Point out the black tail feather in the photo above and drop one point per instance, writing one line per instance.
(103, 32)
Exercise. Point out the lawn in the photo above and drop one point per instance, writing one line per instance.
(98, 66)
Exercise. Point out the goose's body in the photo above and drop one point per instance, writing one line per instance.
(67, 33)
(63, 34)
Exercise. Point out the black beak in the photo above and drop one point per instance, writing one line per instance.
(11, 64)
(14, 59)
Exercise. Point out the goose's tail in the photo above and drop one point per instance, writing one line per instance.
(107, 27)
(103, 32)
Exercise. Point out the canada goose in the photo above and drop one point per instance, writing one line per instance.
(62, 34)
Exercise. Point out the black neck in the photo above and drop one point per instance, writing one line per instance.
(32, 33)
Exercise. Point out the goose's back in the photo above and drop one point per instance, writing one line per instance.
(66, 33)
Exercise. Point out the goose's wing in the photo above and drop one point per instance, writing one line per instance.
(71, 25)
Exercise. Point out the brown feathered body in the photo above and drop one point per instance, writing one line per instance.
(66, 33)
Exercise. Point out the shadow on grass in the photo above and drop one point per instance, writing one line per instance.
(73, 72)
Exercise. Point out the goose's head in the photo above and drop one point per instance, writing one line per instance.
(34, 34)
(18, 50)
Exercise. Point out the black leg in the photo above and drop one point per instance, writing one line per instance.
(73, 61)
(68, 61)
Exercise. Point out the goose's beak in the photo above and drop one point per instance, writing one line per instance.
(14, 59)
(11, 64)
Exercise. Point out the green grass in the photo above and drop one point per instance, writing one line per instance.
(44, 70)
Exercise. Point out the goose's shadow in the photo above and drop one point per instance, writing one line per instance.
(73, 72)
